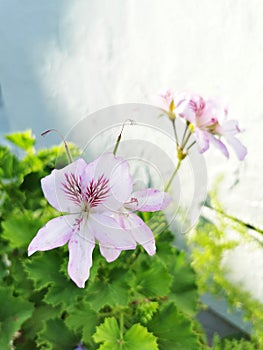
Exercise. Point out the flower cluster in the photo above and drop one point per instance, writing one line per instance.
(206, 119)
(100, 205)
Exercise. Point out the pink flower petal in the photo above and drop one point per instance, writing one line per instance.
(52, 186)
(202, 139)
(185, 110)
(229, 127)
(141, 232)
(109, 254)
(55, 233)
(164, 100)
(109, 233)
(80, 257)
(240, 150)
(214, 111)
(148, 200)
(219, 145)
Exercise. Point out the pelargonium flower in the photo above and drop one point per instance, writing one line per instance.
(207, 118)
(98, 200)
(88, 193)
(209, 124)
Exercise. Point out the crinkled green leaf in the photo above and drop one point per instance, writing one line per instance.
(173, 330)
(13, 312)
(82, 319)
(9, 163)
(108, 333)
(135, 338)
(183, 290)
(139, 338)
(63, 291)
(153, 279)
(21, 284)
(20, 227)
(31, 163)
(24, 140)
(111, 291)
(56, 336)
(43, 268)
(41, 314)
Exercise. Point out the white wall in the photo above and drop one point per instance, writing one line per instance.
(60, 61)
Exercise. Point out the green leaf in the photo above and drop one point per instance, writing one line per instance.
(153, 279)
(136, 338)
(35, 324)
(24, 140)
(21, 284)
(13, 312)
(82, 319)
(184, 289)
(43, 269)
(9, 163)
(56, 336)
(139, 338)
(63, 291)
(173, 330)
(112, 290)
(108, 333)
(20, 228)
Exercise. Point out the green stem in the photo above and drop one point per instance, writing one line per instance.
(175, 132)
(167, 187)
(70, 160)
(186, 139)
(186, 128)
(119, 137)
(190, 146)
(121, 329)
(117, 144)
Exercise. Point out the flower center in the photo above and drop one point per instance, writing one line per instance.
(89, 196)
(97, 191)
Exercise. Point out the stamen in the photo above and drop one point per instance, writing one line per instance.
(97, 191)
(91, 196)
(133, 200)
(72, 188)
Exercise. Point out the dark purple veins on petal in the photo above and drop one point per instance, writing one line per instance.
(72, 188)
(97, 191)
(93, 194)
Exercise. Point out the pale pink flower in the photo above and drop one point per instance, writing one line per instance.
(209, 124)
(98, 200)
(89, 193)
(169, 101)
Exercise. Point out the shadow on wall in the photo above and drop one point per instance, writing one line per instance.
(51, 62)
(27, 31)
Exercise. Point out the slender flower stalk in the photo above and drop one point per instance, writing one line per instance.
(167, 187)
(175, 132)
(120, 136)
(70, 160)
